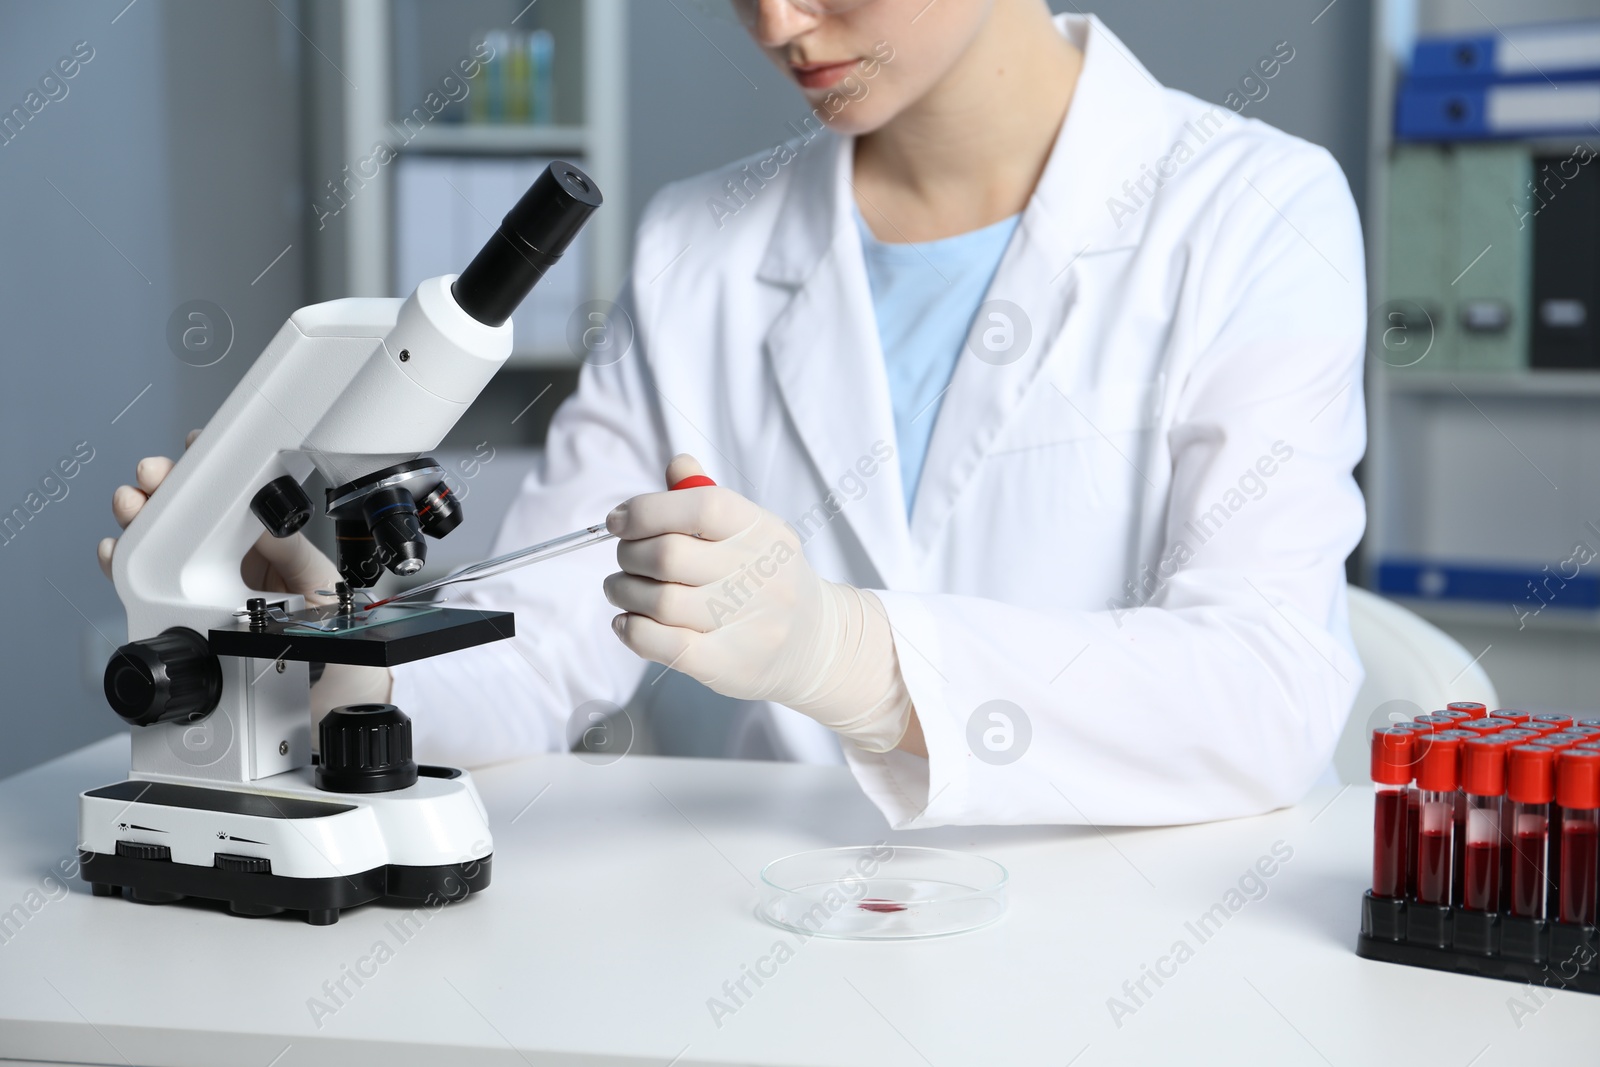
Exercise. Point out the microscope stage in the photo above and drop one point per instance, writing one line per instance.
(379, 637)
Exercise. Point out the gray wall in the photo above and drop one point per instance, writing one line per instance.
(701, 94)
(177, 146)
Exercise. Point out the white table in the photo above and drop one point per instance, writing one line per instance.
(622, 902)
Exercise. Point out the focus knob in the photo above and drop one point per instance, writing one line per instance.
(167, 678)
(365, 748)
(282, 506)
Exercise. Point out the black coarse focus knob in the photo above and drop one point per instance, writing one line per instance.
(282, 506)
(528, 242)
(170, 677)
(365, 748)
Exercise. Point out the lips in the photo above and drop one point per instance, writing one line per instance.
(822, 75)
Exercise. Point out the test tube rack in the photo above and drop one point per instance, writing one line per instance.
(1556, 955)
(1401, 924)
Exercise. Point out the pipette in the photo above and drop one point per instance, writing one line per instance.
(523, 557)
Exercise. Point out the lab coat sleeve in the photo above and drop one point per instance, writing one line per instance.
(513, 698)
(1225, 693)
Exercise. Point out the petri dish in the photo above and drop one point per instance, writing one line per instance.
(882, 892)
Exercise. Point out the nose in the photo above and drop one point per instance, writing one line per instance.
(774, 23)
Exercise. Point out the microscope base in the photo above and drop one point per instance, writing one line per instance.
(321, 899)
(281, 844)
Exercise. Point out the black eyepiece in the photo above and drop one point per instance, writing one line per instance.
(530, 239)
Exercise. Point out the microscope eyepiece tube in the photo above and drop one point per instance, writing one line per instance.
(529, 241)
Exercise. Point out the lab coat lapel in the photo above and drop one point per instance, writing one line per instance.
(1066, 229)
(826, 356)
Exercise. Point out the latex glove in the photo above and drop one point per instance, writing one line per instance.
(273, 565)
(717, 587)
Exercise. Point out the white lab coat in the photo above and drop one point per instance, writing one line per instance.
(1133, 532)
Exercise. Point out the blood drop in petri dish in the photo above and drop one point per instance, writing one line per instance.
(879, 904)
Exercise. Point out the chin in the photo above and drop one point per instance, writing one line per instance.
(857, 117)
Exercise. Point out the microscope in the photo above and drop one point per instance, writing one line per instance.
(224, 800)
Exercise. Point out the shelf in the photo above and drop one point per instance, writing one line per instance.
(1536, 383)
(1445, 614)
(470, 138)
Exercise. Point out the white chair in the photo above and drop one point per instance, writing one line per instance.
(1407, 659)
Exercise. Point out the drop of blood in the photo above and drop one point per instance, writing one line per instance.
(879, 904)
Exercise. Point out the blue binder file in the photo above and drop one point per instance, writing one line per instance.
(1551, 50)
(1428, 111)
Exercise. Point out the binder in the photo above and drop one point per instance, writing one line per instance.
(1414, 331)
(1566, 274)
(1535, 52)
(1457, 260)
(1429, 111)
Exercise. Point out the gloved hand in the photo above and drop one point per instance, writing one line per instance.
(718, 588)
(273, 565)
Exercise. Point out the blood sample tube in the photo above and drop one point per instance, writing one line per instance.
(1391, 778)
(1587, 722)
(1578, 795)
(1515, 715)
(1559, 740)
(1483, 779)
(1458, 845)
(1437, 722)
(1588, 733)
(1411, 725)
(1472, 708)
(1518, 734)
(1455, 714)
(1485, 726)
(1589, 746)
(1550, 722)
(1438, 778)
(1530, 786)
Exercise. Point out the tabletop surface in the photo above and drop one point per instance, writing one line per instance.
(623, 901)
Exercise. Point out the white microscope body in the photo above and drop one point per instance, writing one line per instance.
(223, 801)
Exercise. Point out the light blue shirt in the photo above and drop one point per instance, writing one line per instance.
(924, 297)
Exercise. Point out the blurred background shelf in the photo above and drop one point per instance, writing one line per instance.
(1449, 615)
(485, 138)
(1536, 384)
(1485, 455)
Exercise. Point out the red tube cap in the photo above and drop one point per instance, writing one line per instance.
(1578, 778)
(1558, 722)
(1531, 774)
(1483, 766)
(1485, 726)
(1580, 730)
(1557, 741)
(1589, 746)
(1391, 756)
(1519, 735)
(1440, 767)
(1587, 722)
(1437, 722)
(1455, 713)
(1476, 710)
(1514, 715)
